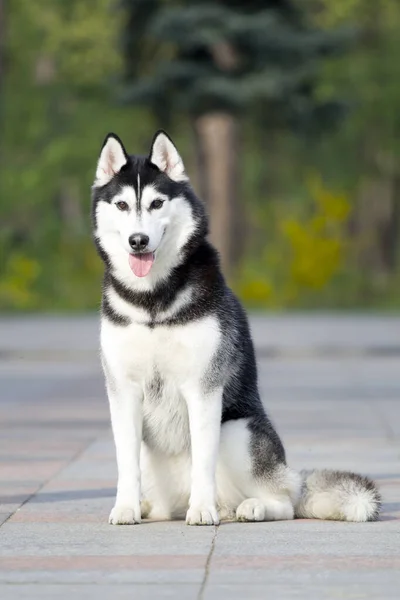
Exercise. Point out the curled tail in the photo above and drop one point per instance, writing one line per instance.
(337, 495)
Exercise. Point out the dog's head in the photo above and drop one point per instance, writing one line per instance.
(145, 212)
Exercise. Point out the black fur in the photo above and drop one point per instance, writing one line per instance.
(234, 365)
(108, 311)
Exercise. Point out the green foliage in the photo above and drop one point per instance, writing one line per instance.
(17, 283)
(58, 109)
(63, 61)
(78, 37)
(230, 56)
(307, 254)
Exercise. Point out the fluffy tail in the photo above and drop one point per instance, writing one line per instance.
(337, 495)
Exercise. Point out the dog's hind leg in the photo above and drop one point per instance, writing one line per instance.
(253, 481)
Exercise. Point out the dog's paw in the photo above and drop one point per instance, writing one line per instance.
(203, 515)
(124, 515)
(251, 509)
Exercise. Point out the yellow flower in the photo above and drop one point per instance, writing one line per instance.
(16, 286)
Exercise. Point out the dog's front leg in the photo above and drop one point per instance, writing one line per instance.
(126, 418)
(205, 425)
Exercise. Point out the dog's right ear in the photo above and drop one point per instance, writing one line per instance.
(165, 156)
(113, 157)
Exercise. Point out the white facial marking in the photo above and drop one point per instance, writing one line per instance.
(150, 193)
(128, 195)
(168, 228)
(168, 225)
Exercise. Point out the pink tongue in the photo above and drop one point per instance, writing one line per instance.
(141, 263)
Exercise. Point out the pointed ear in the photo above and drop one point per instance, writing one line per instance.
(166, 157)
(113, 157)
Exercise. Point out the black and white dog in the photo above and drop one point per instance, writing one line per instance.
(191, 433)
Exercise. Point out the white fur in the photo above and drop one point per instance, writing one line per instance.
(166, 482)
(251, 509)
(191, 459)
(127, 222)
(125, 400)
(345, 499)
(205, 423)
(190, 463)
(111, 161)
(358, 506)
(166, 157)
(114, 228)
(184, 425)
(131, 356)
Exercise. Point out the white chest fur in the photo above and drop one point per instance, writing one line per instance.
(163, 361)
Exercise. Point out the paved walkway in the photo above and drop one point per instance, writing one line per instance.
(331, 384)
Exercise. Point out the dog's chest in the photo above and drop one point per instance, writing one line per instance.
(180, 353)
(167, 362)
(165, 417)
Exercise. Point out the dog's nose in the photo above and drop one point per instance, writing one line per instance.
(138, 241)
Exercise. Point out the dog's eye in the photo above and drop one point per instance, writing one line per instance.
(156, 204)
(122, 205)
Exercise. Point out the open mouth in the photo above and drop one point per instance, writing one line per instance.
(141, 263)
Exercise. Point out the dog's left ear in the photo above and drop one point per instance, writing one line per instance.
(166, 157)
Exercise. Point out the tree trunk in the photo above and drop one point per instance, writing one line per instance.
(390, 232)
(217, 150)
(377, 217)
(69, 208)
(199, 176)
(373, 213)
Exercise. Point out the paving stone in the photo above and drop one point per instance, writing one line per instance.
(330, 384)
(310, 591)
(80, 539)
(337, 539)
(155, 571)
(4, 516)
(100, 592)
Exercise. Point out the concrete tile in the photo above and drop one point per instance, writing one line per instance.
(100, 592)
(332, 411)
(105, 576)
(308, 591)
(4, 516)
(86, 539)
(91, 469)
(306, 538)
(34, 470)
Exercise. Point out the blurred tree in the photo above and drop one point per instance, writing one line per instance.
(57, 105)
(2, 44)
(67, 63)
(59, 72)
(214, 61)
(370, 142)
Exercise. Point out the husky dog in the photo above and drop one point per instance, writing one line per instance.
(192, 436)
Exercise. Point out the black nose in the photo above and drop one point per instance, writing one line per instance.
(138, 241)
